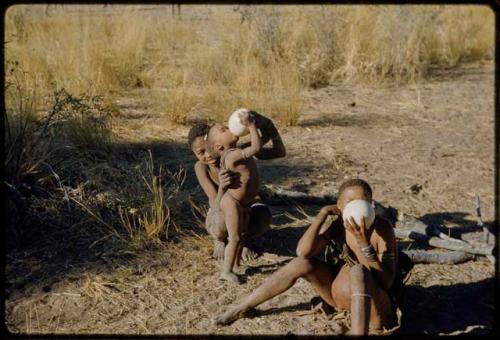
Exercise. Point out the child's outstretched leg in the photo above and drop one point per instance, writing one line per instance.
(231, 213)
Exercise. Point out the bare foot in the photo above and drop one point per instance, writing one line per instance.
(247, 254)
(232, 314)
(231, 277)
(219, 247)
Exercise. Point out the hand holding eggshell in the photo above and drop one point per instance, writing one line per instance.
(359, 209)
(358, 216)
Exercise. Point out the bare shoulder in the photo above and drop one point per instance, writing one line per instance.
(200, 168)
(232, 156)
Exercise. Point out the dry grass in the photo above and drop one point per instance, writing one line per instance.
(258, 56)
(151, 224)
(62, 165)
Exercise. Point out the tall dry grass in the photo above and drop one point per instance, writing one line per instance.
(63, 169)
(262, 57)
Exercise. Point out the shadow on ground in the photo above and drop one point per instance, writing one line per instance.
(279, 241)
(44, 251)
(463, 225)
(337, 120)
(44, 248)
(444, 309)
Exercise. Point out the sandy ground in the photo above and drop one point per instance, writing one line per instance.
(438, 135)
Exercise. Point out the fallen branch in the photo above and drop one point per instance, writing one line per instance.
(273, 195)
(453, 244)
(433, 256)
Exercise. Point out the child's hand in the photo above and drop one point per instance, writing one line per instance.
(247, 118)
(358, 231)
(225, 179)
(330, 210)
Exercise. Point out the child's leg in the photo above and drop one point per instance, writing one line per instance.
(230, 209)
(216, 226)
(319, 274)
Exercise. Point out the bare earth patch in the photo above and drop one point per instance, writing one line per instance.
(437, 135)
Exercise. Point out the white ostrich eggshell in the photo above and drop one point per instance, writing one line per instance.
(235, 125)
(359, 209)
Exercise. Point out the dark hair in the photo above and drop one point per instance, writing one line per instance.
(197, 130)
(356, 182)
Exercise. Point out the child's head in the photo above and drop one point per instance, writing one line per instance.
(353, 189)
(220, 139)
(198, 144)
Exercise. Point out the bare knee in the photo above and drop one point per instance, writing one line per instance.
(219, 233)
(302, 266)
(216, 225)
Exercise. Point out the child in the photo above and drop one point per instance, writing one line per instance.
(235, 203)
(214, 181)
(360, 278)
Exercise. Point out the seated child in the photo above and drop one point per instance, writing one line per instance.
(236, 201)
(361, 277)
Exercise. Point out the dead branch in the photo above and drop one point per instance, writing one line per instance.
(273, 195)
(451, 244)
(433, 256)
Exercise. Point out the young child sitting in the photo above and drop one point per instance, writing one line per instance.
(236, 201)
(361, 276)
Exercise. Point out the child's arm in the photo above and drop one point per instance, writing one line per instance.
(381, 259)
(277, 151)
(213, 193)
(269, 132)
(225, 179)
(312, 242)
(252, 149)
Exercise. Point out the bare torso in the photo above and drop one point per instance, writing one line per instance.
(246, 186)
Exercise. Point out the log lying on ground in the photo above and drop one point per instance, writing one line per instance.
(408, 222)
(433, 256)
(451, 244)
(273, 195)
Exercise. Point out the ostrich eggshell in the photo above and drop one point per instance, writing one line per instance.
(359, 209)
(235, 125)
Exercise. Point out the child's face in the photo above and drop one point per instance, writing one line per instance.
(350, 194)
(222, 137)
(199, 149)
